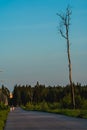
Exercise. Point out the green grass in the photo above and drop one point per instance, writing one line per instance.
(83, 114)
(3, 117)
(70, 112)
(80, 113)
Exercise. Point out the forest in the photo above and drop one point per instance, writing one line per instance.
(61, 95)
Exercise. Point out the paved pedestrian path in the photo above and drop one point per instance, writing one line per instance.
(30, 120)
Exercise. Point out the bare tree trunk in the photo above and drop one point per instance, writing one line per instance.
(70, 71)
(65, 23)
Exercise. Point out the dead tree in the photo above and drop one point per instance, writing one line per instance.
(64, 31)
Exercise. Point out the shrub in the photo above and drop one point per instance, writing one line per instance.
(84, 104)
(78, 101)
(44, 106)
(3, 117)
(83, 114)
(37, 106)
(29, 106)
(3, 106)
(66, 102)
(54, 105)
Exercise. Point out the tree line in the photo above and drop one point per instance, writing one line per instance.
(4, 95)
(23, 94)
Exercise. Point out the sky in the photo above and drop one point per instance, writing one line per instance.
(31, 48)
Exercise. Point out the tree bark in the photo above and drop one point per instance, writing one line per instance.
(70, 73)
(65, 22)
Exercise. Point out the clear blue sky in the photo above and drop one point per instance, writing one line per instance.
(31, 49)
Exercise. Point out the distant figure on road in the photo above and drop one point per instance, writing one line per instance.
(12, 108)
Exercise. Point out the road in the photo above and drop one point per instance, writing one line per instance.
(32, 120)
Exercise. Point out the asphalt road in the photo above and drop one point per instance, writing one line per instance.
(31, 120)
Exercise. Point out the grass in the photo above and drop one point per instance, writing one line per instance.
(3, 117)
(80, 113)
(68, 112)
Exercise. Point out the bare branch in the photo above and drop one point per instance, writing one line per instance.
(61, 16)
(61, 32)
(68, 14)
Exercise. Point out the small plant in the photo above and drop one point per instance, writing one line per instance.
(84, 104)
(54, 105)
(66, 102)
(3, 114)
(44, 106)
(3, 117)
(83, 114)
(29, 106)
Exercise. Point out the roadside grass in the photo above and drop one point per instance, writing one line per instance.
(83, 114)
(80, 113)
(70, 112)
(3, 117)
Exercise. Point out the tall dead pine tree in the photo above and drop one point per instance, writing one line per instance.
(64, 31)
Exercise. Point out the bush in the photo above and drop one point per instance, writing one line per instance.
(3, 106)
(66, 102)
(37, 106)
(82, 114)
(29, 106)
(44, 106)
(84, 104)
(78, 101)
(54, 105)
(40, 106)
(1, 124)
(3, 117)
